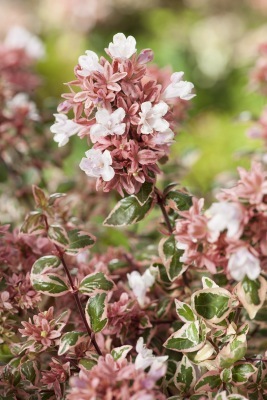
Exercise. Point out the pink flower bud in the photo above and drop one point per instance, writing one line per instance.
(145, 56)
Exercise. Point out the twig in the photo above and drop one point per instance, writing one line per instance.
(160, 201)
(76, 295)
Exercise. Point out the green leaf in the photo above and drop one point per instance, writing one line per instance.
(184, 311)
(39, 197)
(51, 285)
(186, 339)
(209, 382)
(252, 294)
(232, 352)
(45, 264)
(170, 257)
(87, 364)
(120, 353)
(242, 372)
(202, 354)
(69, 340)
(33, 224)
(144, 193)
(185, 376)
(182, 200)
(223, 396)
(212, 304)
(5, 353)
(97, 282)
(208, 283)
(53, 197)
(30, 371)
(58, 235)
(96, 312)
(226, 375)
(128, 211)
(79, 241)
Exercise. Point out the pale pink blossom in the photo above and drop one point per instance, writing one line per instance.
(161, 138)
(225, 216)
(243, 263)
(55, 376)
(98, 164)
(4, 301)
(145, 357)
(89, 63)
(19, 38)
(252, 185)
(179, 88)
(140, 284)
(64, 128)
(108, 124)
(43, 329)
(151, 117)
(122, 47)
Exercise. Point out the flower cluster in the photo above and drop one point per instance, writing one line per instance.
(42, 331)
(231, 234)
(19, 53)
(120, 379)
(126, 113)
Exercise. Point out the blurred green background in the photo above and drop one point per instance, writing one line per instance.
(214, 42)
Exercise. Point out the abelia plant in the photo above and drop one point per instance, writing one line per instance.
(177, 312)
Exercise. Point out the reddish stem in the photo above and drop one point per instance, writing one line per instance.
(161, 203)
(75, 295)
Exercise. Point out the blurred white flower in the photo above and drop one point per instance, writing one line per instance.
(19, 38)
(224, 216)
(122, 47)
(89, 63)
(140, 283)
(98, 164)
(165, 137)
(21, 103)
(64, 128)
(108, 124)
(151, 117)
(244, 263)
(179, 88)
(145, 357)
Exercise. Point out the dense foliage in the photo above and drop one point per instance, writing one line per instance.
(179, 311)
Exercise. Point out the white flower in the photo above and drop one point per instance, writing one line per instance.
(165, 137)
(108, 124)
(224, 216)
(145, 357)
(5, 300)
(178, 88)
(19, 38)
(21, 102)
(64, 128)
(151, 117)
(140, 283)
(89, 63)
(182, 246)
(122, 47)
(244, 263)
(98, 164)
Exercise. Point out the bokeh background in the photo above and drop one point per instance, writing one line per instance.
(214, 41)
